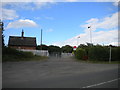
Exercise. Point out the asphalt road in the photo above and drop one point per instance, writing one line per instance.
(59, 73)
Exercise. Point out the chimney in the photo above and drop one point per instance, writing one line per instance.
(22, 34)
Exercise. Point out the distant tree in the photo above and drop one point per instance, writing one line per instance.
(99, 45)
(43, 47)
(67, 49)
(82, 46)
(1, 30)
(53, 48)
(89, 44)
(54, 51)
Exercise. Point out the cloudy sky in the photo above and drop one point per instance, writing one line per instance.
(63, 23)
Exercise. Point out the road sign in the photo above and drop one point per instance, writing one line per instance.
(74, 48)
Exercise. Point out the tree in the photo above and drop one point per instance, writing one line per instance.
(44, 47)
(54, 51)
(67, 49)
(82, 46)
(1, 30)
(53, 48)
(89, 44)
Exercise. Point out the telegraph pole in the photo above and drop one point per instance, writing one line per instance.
(41, 39)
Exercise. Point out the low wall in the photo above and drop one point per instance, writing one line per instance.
(37, 52)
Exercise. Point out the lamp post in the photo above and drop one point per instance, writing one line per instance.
(90, 34)
(78, 40)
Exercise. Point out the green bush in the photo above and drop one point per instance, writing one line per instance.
(26, 54)
(98, 53)
(67, 49)
(80, 53)
(115, 51)
(102, 53)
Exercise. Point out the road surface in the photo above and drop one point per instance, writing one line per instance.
(59, 73)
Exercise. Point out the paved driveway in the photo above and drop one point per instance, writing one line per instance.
(37, 73)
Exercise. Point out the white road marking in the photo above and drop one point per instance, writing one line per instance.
(100, 83)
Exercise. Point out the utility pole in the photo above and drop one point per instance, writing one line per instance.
(41, 39)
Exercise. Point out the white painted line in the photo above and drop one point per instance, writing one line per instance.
(101, 83)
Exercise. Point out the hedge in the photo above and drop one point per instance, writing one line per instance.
(101, 53)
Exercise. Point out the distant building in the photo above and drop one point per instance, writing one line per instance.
(22, 42)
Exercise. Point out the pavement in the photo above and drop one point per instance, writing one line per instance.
(59, 73)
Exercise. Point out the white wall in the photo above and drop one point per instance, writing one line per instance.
(37, 52)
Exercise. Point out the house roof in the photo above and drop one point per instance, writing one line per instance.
(22, 41)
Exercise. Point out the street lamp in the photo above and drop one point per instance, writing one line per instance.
(90, 34)
(78, 40)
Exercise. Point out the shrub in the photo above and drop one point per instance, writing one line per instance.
(10, 54)
(80, 53)
(115, 53)
(98, 53)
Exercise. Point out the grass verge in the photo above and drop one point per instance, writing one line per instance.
(98, 62)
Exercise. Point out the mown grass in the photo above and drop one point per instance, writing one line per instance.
(13, 55)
